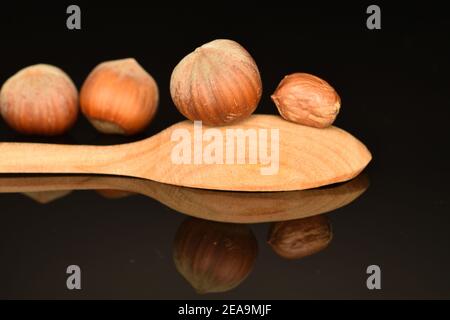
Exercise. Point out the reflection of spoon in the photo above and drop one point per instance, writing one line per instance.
(307, 158)
(225, 206)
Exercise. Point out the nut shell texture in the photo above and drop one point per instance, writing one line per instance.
(119, 97)
(41, 100)
(306, 99)
(219, 83)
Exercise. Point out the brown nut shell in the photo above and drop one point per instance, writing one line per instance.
(299, 238)
(218, 83)
(214, 256)
(119, 97)
(40, 100)
(306, 99)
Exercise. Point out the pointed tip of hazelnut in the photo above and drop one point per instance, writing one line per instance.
(274, 97)
(200, 52)
(127, 64)
(129, 61)
(45, 197)
(122, 60)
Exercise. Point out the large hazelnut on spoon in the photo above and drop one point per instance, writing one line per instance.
(119, 97)
(218, 83)
(306, 99)
(40, 99)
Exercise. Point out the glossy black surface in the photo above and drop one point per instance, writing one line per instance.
(394, 89)
(125, 246)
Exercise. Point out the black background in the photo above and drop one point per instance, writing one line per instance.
(394, 88)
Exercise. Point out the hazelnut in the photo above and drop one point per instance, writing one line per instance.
(299, 238)
(119, 97)
(40, 99)
(114, 193)
(306, 99)
(218, 83)
(214, 256)
(44, 197)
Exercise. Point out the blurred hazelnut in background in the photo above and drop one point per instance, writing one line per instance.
(119, 97)
(39, 100)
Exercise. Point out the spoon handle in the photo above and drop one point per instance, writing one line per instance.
(287, 157)
(54, 158)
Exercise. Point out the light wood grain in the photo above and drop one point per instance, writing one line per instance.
(308, 158)
(224, 206)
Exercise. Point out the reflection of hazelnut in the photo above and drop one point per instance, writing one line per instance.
(300, 238)
(306, 99)
(45, 197)
(214, 256)
(113, 193)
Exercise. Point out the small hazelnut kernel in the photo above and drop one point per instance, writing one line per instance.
(306, 99)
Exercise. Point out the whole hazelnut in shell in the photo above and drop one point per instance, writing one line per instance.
(39, 100)
(218, 83)
(119, 97)
(306, 99)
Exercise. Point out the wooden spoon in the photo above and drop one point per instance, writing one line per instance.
(308, 158)
(224, 206)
